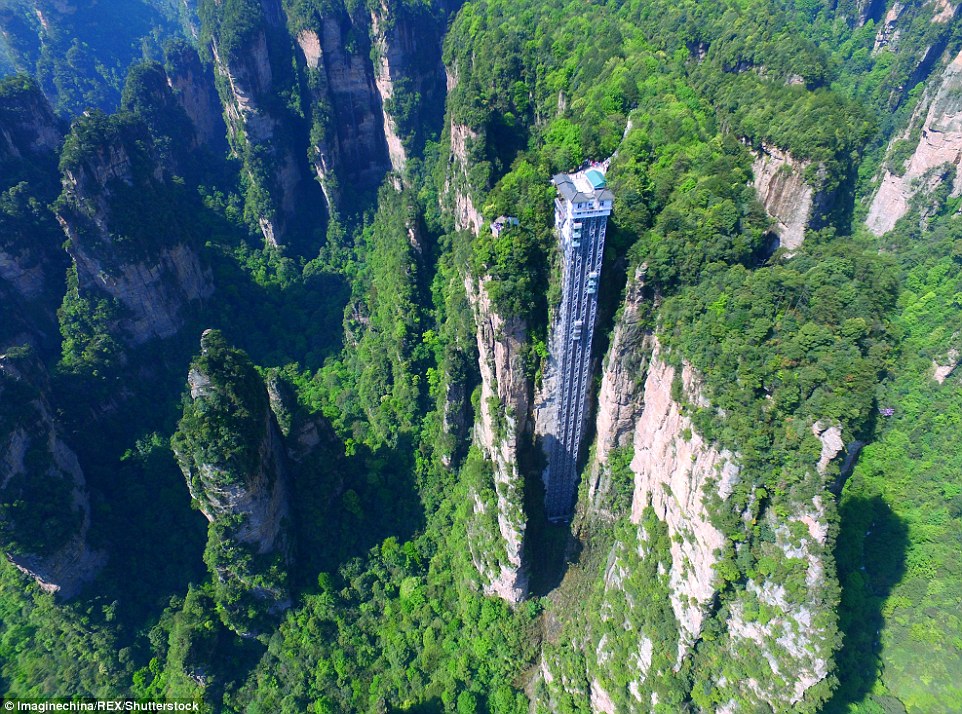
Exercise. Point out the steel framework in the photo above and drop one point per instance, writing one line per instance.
(582, 236)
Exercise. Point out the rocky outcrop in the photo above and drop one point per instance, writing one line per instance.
(32, 267)
(32, 263)
(939, 147)
(785, 625)
(620, 399)
(793, 203)
(193, 87)
(457, 189)
(773, 637)
(252, 483)
(25, 269)
(866, 10)
(44, 505)
(941, 372)
(155, 278)
(466, 216)
(323, 149)
(247, 77)
(832, 444)
(887, 36)
(676, 472)
(28, 125)
(229, 447)
(247, 124)
(497, 432)
(253, 70)
(356, 122)
(943, 11)
(389, 57)
(407, 48)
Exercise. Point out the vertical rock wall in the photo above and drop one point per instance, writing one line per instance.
(939, 151)
(242, 491)
(502, 421)
(620, 402)
(795, 204)
(155, 284)
(267, 135)
(44, 505)
(663, 584)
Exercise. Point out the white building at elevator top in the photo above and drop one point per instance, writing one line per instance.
(583, 194)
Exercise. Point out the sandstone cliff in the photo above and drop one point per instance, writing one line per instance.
(231, 452)
(28, 125)
(193, 86)
(936, 157)
(659, 582)
(457, 189)
(31, 261)
(667, 576)
(409, 75)
(499, 427)
(127, 238)
(781, 630)
(390, 59)
(347, 138)
(466, 216)
(252, 70)
(620, 401)
(793, 203)
(44, 506)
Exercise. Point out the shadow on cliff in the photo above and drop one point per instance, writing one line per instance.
(870, 554)
(549, 547)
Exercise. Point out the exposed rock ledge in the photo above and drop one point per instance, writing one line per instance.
(940, 144)
(466, 216)
(782, 190)
(72, 563)
(675, 472)
(503, 417)
(388, 56)
(620, 403)
(941, 372)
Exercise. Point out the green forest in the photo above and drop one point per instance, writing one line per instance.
(272, 392)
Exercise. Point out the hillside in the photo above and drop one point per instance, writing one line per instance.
(281, 402)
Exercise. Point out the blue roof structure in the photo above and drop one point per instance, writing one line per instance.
(596, 178)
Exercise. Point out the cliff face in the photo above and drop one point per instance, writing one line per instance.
(666, 576)
(502, 421)
(675, 475)
(31, 261)
(376, 89)
(935, 159)
(362, 151)
(788, 198)
(252, 71)
(247, 76)
(44, 506)
(787, 626)
(620, 402)
(242, 490)
(28, 126)
(390, 61)
(324, 151)
(409, 75)
(193, 86)
(466, 216)
(118, 251)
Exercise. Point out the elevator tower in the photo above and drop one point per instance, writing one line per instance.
(582, 208)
